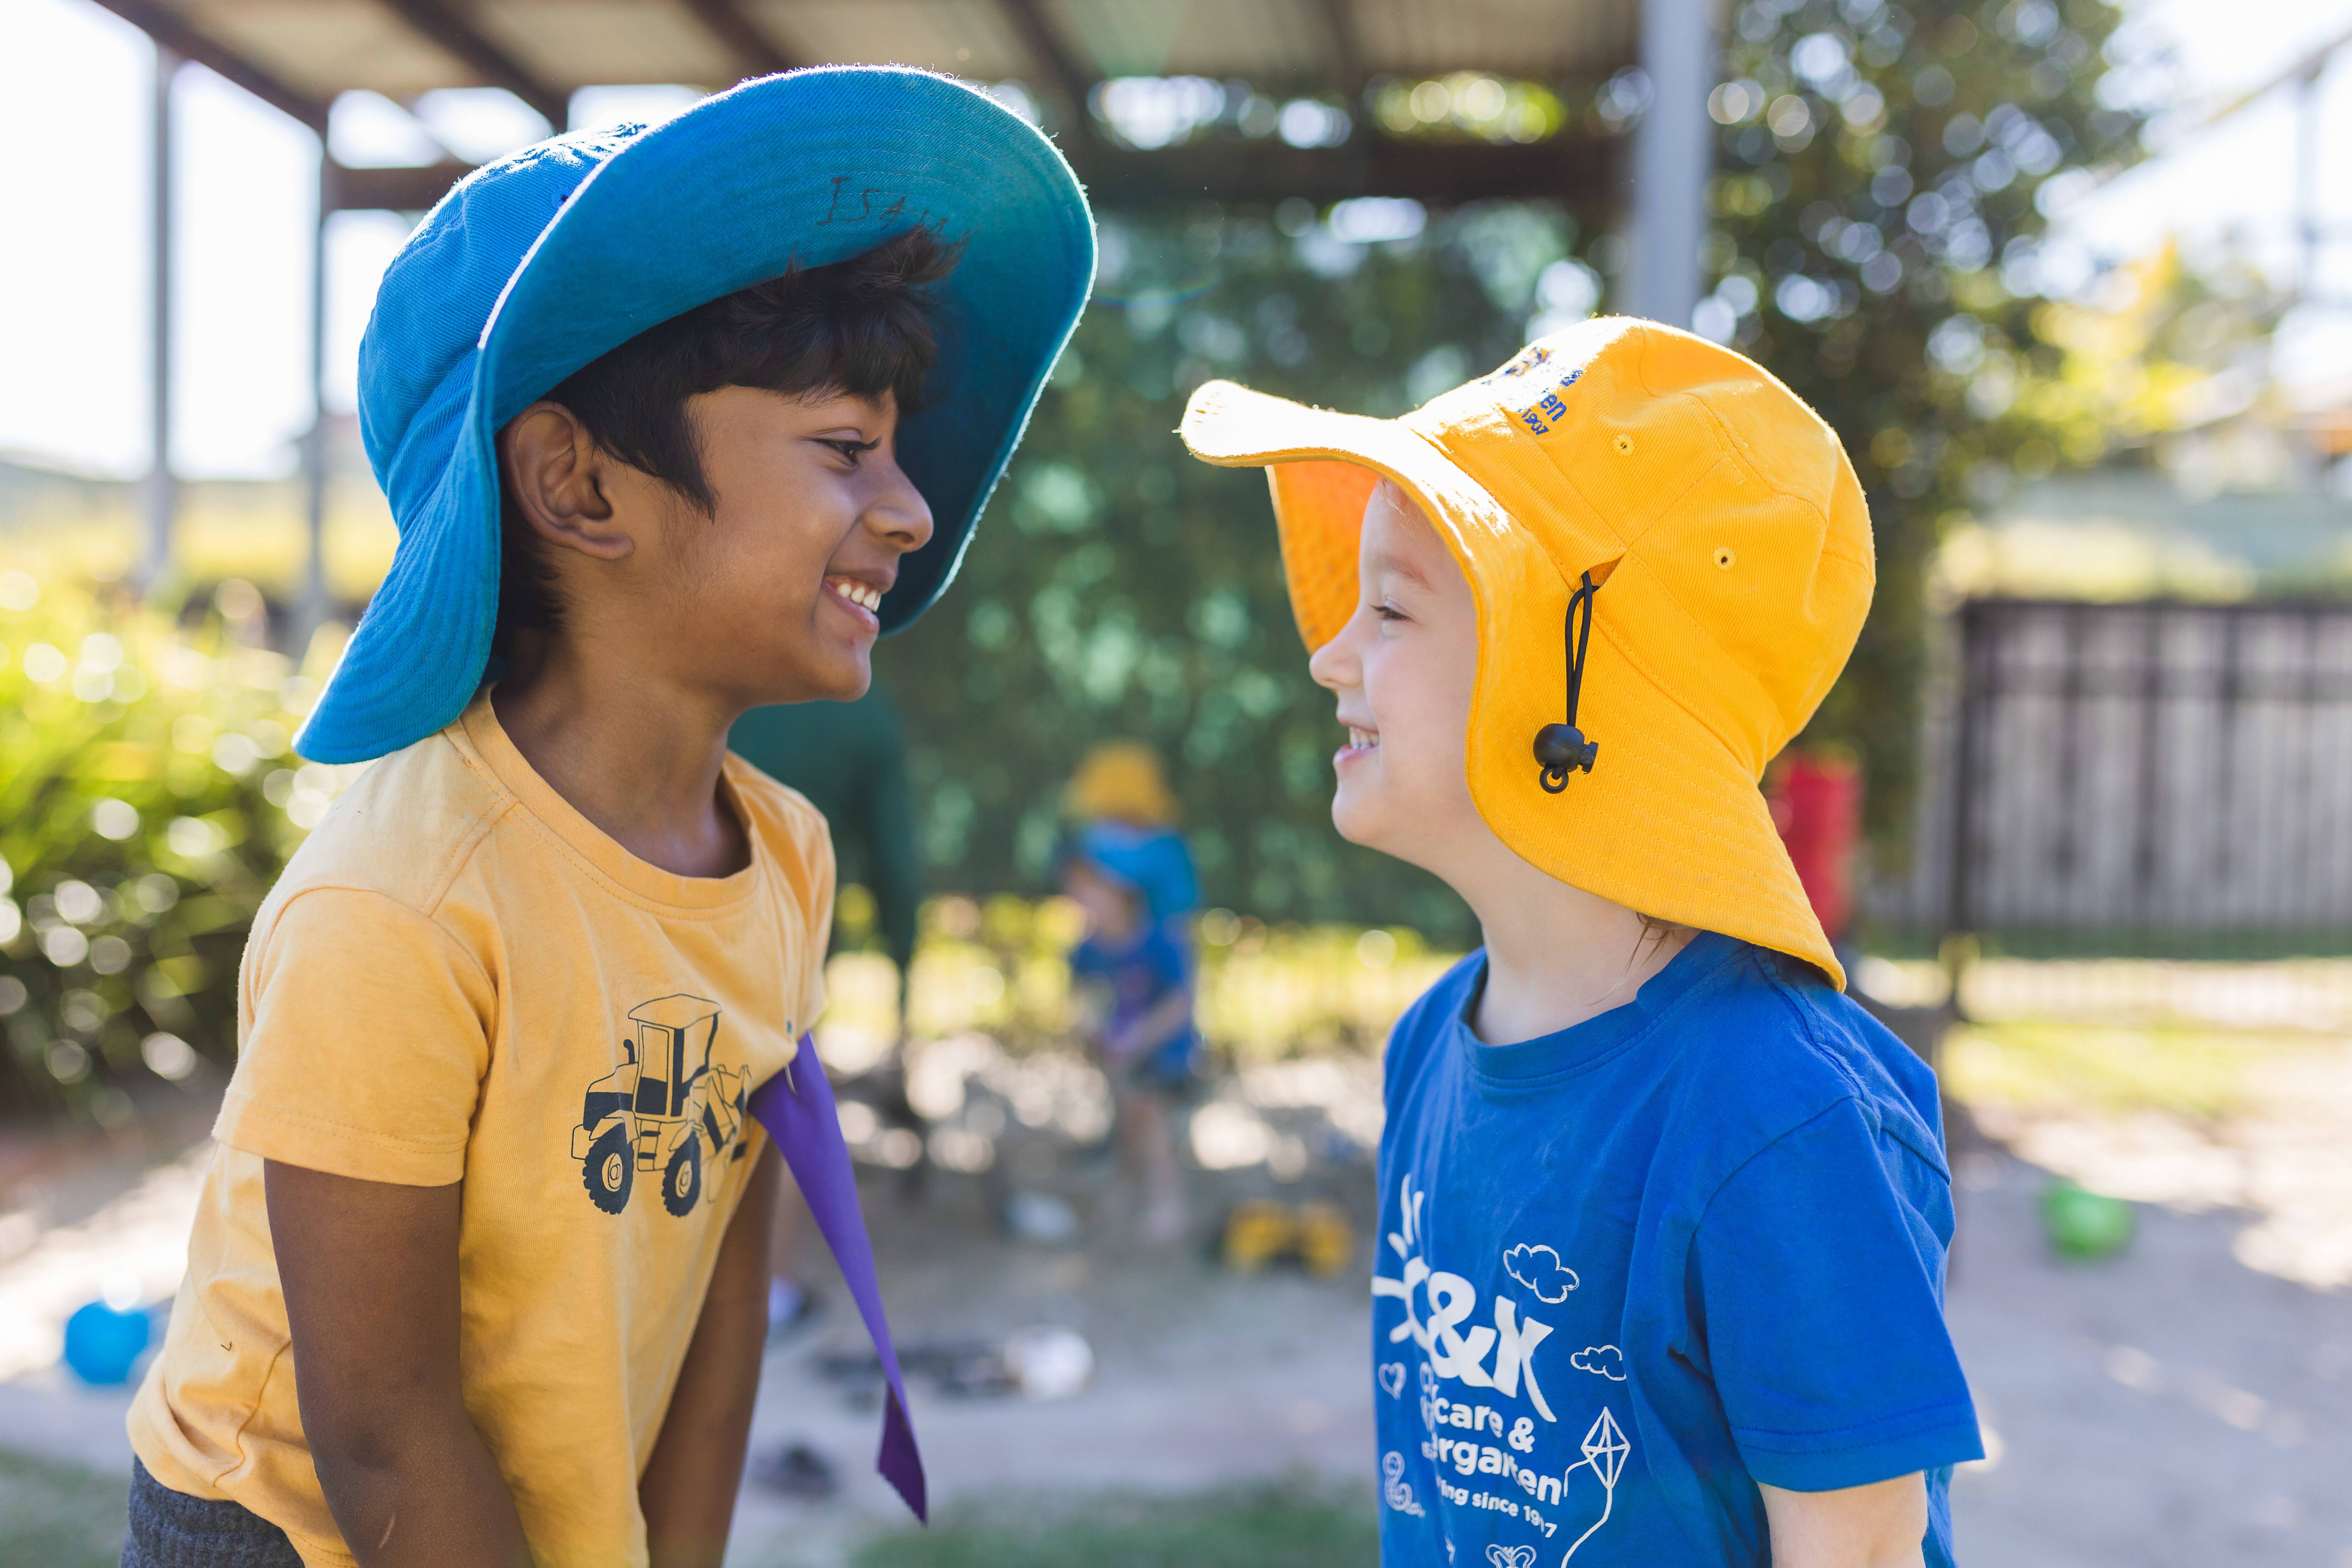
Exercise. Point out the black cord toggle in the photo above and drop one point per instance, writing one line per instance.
(1561, 748)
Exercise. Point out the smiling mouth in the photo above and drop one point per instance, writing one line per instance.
(1363, 740)
(865, 595)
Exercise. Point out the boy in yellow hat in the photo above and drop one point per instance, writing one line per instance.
(1664, 1213)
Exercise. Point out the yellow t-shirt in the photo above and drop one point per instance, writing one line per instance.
(460, 978)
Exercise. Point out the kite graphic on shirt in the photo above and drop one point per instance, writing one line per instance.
(665, 1108)
(1605, 1447)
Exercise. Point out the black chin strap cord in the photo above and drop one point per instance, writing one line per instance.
(1561, 748)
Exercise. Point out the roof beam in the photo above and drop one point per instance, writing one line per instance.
(441, 21)
(725, 20)
(1580, 171)
(1037, 35)
(397, 189)
(171, 30)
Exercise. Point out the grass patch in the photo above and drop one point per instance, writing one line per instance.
(2185, 1070)
(1282, 1526)
(61, 1515)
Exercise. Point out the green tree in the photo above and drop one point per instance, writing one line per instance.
(1883, 177)
(1120, 589)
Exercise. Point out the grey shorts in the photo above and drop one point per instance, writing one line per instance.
(172, 1530)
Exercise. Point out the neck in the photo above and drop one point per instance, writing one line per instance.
(637, 758)
(1556, 955)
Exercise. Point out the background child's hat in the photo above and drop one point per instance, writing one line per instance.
(1731, 543)
(537, 264)
(1150, 861)
(1121, 780)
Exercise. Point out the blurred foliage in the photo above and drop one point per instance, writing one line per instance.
(148, 800)
(1885, 175)
(2037, 1064)
(2156, 348)
(1120, 589)
(1000, 967)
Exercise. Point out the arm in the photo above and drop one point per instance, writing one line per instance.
(1162, 1022)
(370, 1273)
(689, 1489)
(1876, 1526)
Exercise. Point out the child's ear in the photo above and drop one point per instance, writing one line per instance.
(555, 471)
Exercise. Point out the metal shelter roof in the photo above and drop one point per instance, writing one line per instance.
(299, 54)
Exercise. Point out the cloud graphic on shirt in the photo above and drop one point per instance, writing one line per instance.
(1602, 1361)
(1540, 1270)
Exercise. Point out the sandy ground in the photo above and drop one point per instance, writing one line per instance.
(2174, 1406)
(2169, 1407)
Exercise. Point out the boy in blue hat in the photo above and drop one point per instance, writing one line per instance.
(675, 423)
(1127, 868)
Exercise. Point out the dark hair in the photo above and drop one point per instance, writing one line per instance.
(861, 326)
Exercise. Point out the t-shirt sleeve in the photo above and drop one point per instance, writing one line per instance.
(367, 1041)
(1817, 1288)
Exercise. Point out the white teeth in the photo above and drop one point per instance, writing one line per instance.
(858, 594)
(1361, 736)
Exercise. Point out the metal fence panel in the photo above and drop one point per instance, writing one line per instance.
(2121, 774)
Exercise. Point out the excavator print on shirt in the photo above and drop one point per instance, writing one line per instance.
(664, 1109)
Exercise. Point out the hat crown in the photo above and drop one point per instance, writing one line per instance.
(1723, 511)
(416, 365)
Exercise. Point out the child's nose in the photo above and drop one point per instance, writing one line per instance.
(1335, 665)
(898, 512)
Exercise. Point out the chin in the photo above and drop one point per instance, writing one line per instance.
(785, 679)
(1356, 820)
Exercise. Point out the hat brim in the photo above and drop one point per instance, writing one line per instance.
(804, 169)
(1669, 823)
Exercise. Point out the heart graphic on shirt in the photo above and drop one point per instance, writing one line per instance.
(1511, 1556)
(1392, 1377)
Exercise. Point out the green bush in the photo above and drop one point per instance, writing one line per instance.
(148, 800)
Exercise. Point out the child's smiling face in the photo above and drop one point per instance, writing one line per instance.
(1402, 669)
(813, 515)
(768, 596)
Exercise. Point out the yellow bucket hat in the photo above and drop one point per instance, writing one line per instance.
(1727, 538)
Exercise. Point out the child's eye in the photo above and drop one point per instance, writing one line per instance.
(1389, 612)
(851, 450)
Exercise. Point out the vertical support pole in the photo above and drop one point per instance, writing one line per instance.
(315, 604)
(1980, 622)
(161, 498)
(2306, 175)
(1674, 154)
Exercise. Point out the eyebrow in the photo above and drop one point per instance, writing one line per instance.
(1385, 561)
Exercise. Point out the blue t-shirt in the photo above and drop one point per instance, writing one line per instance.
(1155, 962)
(1630, 1270)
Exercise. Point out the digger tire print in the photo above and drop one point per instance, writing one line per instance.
(609, 1169)
(682, 1179)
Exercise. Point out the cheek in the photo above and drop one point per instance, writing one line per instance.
(1421, 719)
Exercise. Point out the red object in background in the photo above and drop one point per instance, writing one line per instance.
(1816, 800)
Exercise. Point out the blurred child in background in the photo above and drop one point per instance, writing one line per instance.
(1127, 868)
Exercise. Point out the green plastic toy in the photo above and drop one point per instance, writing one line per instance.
(2083, 1225)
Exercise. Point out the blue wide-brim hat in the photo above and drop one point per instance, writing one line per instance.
(539, 263)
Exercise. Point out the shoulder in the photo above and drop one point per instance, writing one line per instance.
(1771, 1047)
(1431, 1014)
(773, 813)
(405, 829)
(791, 832)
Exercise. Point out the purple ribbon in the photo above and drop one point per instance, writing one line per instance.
(802, 1120)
